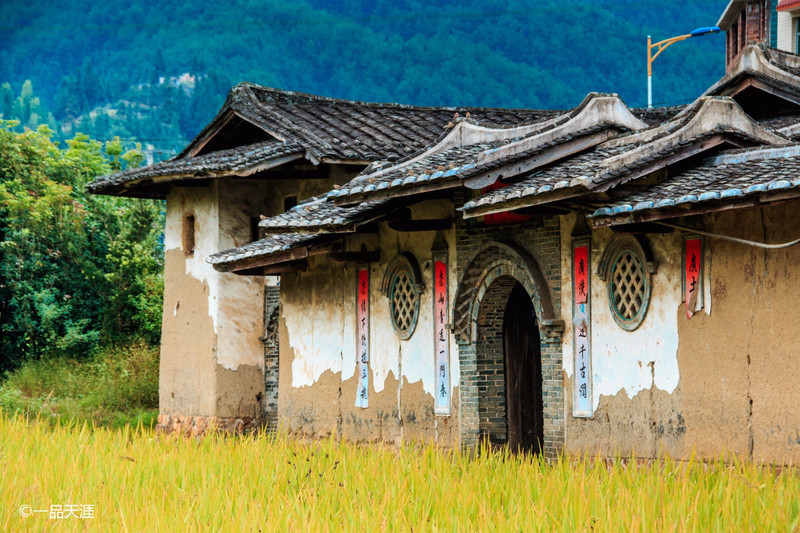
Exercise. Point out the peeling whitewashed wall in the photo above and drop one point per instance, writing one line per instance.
(212, 358)
(720, 382)
(627, 361)
(318, 350)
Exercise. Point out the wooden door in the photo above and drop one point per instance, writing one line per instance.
(523, 373)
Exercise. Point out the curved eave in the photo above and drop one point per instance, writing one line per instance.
(694, 204)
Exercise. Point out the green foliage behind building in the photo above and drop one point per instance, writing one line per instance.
(77, 271)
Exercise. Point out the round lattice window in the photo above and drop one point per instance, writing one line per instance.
(629, 289)
(405, 304)
(402, 286)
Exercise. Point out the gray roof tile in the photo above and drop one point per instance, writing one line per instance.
(272, 244)
(329, 128)
(321, 215)
(215, 163)
(713, 183)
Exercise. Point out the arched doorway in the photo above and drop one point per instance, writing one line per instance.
(506, 329)
(523, 373)
(509, 361)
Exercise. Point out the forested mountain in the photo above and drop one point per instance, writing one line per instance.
(157, 72)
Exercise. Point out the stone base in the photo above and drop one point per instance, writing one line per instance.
(191, 426)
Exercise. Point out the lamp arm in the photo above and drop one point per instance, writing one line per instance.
(662, 45)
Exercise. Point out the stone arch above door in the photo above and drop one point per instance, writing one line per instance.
(494, 260)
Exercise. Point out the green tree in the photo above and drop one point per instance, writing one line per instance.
(76, 270)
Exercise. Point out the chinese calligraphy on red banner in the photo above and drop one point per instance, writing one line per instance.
(362, 332)
(692, 282)
(441, 342)
(582, 354)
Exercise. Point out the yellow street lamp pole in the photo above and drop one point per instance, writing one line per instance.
(660, 46)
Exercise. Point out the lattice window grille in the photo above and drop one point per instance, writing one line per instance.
(404, 298)
(628, 285)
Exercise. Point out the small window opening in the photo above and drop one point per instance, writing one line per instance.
(188, 234)
(289, 202)
(256, 232)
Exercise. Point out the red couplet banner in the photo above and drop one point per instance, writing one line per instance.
(692, 270)
(441, 341)
(581, 274)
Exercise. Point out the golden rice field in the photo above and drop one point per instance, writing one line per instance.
(138, 481)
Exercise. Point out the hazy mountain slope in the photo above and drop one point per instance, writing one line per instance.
(88, 57)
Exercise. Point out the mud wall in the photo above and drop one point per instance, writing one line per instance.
(188, 339)
(212, 355)
(720, 382)
(318, 347)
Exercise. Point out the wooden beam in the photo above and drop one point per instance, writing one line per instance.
(229, 115)
(282, 257)
(354, 257)
(689, 209)
(755, 83)
(429, 224)
(300, 265)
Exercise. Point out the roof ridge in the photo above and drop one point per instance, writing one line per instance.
(392, 105)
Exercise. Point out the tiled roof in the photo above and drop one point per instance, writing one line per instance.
(557, 177)
(769, 65)
(223, 162)
(272, 244)
(303, 225)
(345, 129)
(657, 115)
(328, 128)
(320, 215)
(788, 4)
(626, 157)
(732, 176)
(470, 152)
(781, 121)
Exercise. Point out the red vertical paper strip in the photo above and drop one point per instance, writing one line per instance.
(581, 320)
(362, 332)
(692, 271)
(581, 274)
(441, 342)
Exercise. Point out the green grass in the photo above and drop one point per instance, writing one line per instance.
(138, 480)
(118, 386)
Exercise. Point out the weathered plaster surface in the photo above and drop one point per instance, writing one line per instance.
(735, 388)
(629, 361)
(188, 339)
(186, 367)
(318, 360)
(212, 357)
(742, 365)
